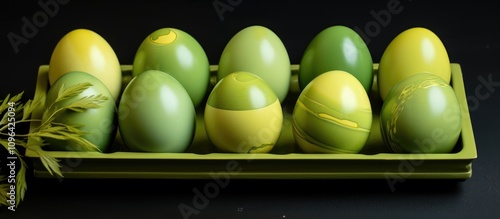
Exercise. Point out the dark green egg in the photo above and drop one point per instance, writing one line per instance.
(337, 48)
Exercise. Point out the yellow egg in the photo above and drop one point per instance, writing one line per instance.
(415, 50)
(86, 51)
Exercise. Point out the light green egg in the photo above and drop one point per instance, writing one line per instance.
(99, 123)
(155, 114)
(258, 50)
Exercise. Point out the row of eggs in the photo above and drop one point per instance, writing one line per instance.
(155, 112)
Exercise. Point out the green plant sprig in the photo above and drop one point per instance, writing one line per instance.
(47, 128)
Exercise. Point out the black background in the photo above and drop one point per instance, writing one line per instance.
(470, 31)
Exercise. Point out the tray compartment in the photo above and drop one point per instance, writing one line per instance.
(285, 161)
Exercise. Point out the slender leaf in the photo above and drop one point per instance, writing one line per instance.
(27, 108)
(4, 189)
(5, 143)
(51, 164)
(47, 118)
(11, 151)
(80, 141)
(53, 129)
(21, 185)
(74, 90)
(34, 143)
(88, 102)
(50, 135)
(4, 119)
(5, 103)
(35, 104)
(61, 90)
(75, 129)
(17, 97)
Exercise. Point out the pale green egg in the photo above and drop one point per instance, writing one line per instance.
(258, 50)
(99, 123)
(155, 114)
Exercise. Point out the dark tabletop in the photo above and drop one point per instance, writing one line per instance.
(469, 30)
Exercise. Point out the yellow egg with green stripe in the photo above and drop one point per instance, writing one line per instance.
(332, 115)
(243, 114)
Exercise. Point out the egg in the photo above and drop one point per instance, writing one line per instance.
(412, 51)
(243, 114)
(99, 123)
(337, 48)
(258, 50)
(156, 114)
(179, 54)
(332, 115)
(85, 50)
(421, 114)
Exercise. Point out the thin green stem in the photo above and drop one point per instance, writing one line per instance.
(21, 135)
(20, 121)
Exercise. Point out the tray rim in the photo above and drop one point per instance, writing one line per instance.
(466, 155)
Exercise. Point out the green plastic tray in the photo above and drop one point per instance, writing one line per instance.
(202, 161)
